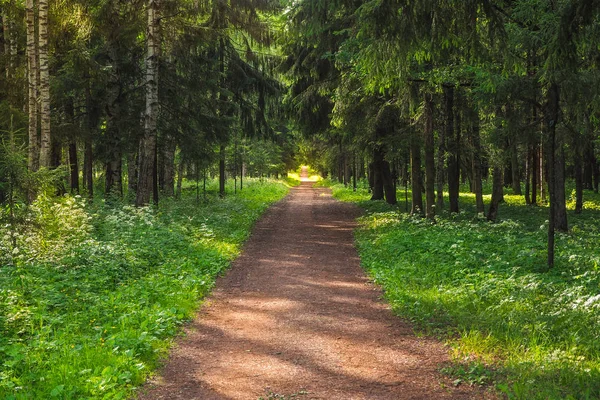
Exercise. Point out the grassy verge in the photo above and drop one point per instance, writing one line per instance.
(480, 286)
(92, 295)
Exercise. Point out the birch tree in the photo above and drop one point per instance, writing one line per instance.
(44, 88)
(32, 73)
(147, 171)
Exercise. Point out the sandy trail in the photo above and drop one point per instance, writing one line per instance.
(296, 315)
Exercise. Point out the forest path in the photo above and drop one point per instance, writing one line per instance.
(296, 315)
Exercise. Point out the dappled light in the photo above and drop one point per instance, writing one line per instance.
(296, 315)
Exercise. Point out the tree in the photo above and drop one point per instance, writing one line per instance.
(146, 184)
(44, 85)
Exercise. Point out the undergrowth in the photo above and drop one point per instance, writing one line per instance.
(482, 286)
(91, 295)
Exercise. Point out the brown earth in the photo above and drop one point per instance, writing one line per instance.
(296, 316)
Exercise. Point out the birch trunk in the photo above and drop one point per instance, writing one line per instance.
(46, 146)
(32, 72)
(148, 148)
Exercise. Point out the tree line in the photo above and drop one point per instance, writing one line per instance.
(449, 92)
(128, 97)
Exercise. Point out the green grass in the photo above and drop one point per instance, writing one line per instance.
(92, 295)
(481, 286)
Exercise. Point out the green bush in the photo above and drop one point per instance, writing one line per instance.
(92, 295)
(481, 286)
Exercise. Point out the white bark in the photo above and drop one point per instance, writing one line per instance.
(148, 145)
(32, 72)
(46, 146)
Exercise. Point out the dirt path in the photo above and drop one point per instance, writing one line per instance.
(296, 315)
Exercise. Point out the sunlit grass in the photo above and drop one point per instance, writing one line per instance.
(482, 287)
(93, 294)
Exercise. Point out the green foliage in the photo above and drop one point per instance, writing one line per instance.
(535, 334)
(92, 294)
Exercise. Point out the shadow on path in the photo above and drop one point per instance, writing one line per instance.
(296, 315)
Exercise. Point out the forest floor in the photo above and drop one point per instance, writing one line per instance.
(296, 317)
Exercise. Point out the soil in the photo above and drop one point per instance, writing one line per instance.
(296, 317)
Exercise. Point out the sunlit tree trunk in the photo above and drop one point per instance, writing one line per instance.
(32, 73)
(148, 148)
(46, 142)
(497, 193)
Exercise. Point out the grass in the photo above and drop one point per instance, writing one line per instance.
(92, 295)
(481, 286)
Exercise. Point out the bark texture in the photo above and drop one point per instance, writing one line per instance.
(32, 84)
(147, 170)
(497, 193)
(46, 140)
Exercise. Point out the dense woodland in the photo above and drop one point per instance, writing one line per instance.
(132, 96)
(129, 101)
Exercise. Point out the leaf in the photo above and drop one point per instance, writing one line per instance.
(57, 391)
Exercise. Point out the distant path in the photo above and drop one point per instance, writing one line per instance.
(296, 314)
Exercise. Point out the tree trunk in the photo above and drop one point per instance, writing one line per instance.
(388, 183)
(167, 175)
(376, 175)
(528, 159)
(222, 177)
(7, 40)
(114, 177)
(147, 173)
(88, 171)
(74, 167)
(453, 172)
(535, 173)
(497, 193)
(588, 169)
(596, 169)
(32, 62)
(10, 44)
(578, 181)
(180, 170)
(560, 208)
(476, 163)
(415, 177)
(514, 161)
(429, 156)
(46, 142)
(132, 173)
(551, 118)
(440, 171)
